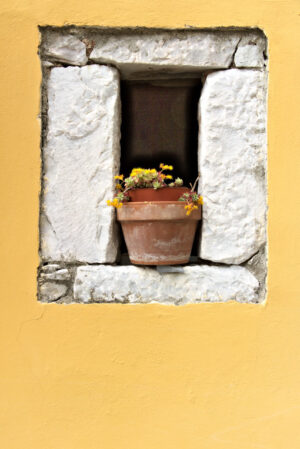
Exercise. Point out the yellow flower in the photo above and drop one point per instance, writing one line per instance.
(149, 171)
(169, 177)
(136, 171)
(142, 172)
(166, 167)
(119, 187)
(121, 177)
(190, 207)
(115, 203)
(200, 200)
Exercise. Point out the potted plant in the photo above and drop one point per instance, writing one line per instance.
(158, 219)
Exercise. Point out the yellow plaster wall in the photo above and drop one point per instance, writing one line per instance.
(219, 376)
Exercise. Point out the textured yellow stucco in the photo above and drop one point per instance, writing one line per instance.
(219, 376)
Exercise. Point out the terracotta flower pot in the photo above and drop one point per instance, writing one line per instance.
(163, 194)
(158, 232)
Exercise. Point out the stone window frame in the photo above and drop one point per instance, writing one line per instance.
(81, 114)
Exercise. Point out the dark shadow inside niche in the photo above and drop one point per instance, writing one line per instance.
(160, 124)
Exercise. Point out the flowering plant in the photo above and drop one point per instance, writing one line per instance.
(156, 179)
(192, 199)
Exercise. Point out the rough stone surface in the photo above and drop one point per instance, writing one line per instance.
(162, 50)
(81, 157)
(257, 265)
(250, 52)
(136, 284)
(48, 64)
(59, 275)
(51, 291)
(249, 56)
(232, 162)
(50, 268)
(65, 48)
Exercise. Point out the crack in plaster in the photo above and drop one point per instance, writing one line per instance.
(23, 323)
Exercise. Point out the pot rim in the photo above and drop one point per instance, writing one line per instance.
(128, 203)
(160, 188)
(156, 211)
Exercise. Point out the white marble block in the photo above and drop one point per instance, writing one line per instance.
(133, 284)
(249, 56)
(232, 163)
(81, 157)
(165, 50)
(65, 48)
(251, 51)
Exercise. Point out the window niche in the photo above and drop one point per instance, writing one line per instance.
(160, 124)
(113, 99)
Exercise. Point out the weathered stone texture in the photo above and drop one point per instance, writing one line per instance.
(81, 157)
(136, 284)
(232, 161)
(52, 291)
(58, 275)
(65, 48)
(249, 56)
(177, 50)
(251, 51)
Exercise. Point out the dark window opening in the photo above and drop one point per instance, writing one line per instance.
(160, 124)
